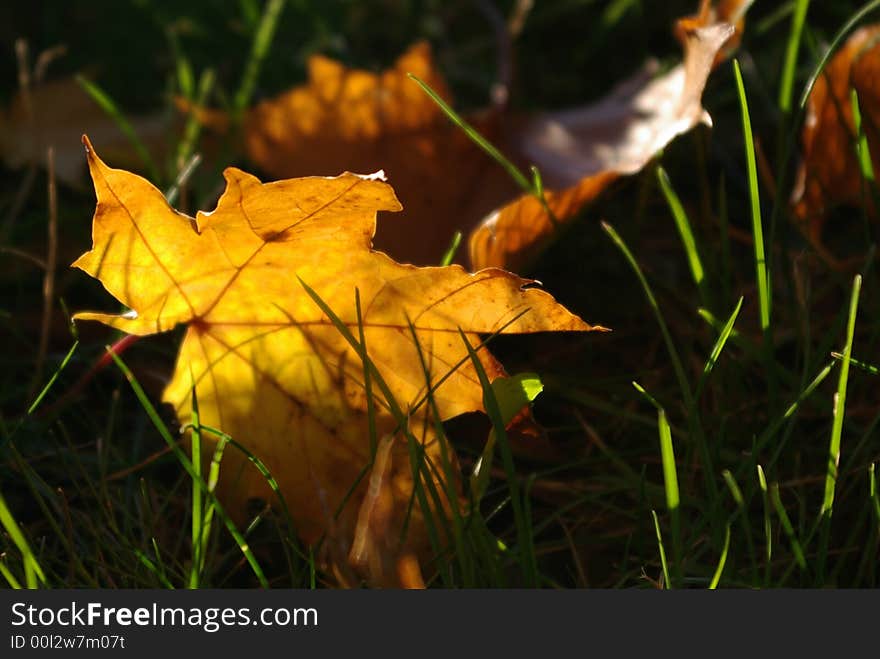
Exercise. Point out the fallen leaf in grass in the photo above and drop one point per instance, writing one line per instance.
(581, 152)
(270, 367)
(355, 120)
(60, 112)
(829, 174)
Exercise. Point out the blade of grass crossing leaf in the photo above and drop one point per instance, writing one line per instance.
(54, 377)
(722, 561)
(866, 168)
(718, 348)
(109, 106)
(862, 151)
(787, 526)
(193, 126)
(789, 66)
(416, 456)
(475, 136)
(368, 383)
(153, 415)
(260, 48)
(853, 20)
(670, 480)
(663, 564)
(224, 440)
(183, 175)
(197, 505)
(840, 401)
(688, 240)
(33, 572)
(448, 477)
(525, 541)
(393, 406)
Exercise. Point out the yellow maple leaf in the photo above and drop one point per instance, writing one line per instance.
(272, 369)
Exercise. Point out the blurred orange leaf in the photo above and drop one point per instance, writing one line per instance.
(829, 173)
(270, 367)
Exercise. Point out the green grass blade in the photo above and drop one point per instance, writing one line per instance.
(718, 348)
(786, 86)
(341, 327)
(54, 377)
(7, 574)
(450, 252)
(662, 550)
(761, 269)
(260, 48)
(739, 500)
(868, 368)
(226, 439)
(197, 506)
(840, 401)
(863, 152)
(109, 106)
(774, 427)
(193, 126)
(872, 490)
(670, 481)
(733, 486)
(147, 563)
(787, 527)
(683, 225)
(476, 138)
(721, 561)
(368, 381)
(33, 572)
(768, 529)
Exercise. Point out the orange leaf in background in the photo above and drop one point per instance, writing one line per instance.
(348, 119)
(272, 370)
(355, 120)
(829, 173)
(580, 152)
